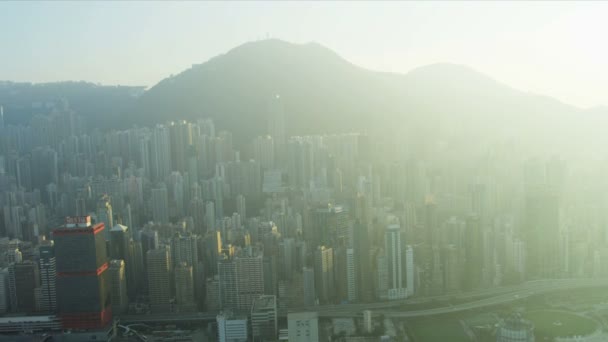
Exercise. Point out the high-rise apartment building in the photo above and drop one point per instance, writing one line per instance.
(308, 277)
(184, 287)
(160, 204)
(542, 233)
(5, 302)
(120, 249)
(241, 279)
(24, 280)
(159, 278)
(48, 278)
(160, 153)
(395, 257)
(184, 248)
(212, 293)
(118, 285)
(263, 151)
(241, 207)
(330, 224)
(410, 270)
(324, 274)
(351, 275)
(105, 215)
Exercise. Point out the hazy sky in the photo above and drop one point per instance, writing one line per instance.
(558, 49)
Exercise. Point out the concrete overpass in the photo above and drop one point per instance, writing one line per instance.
(501, 297)
(489, 297)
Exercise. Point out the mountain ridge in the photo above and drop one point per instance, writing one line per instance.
(325, 93)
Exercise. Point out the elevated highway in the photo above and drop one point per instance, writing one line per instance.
(478, 299)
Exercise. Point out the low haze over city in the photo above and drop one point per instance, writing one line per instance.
(303, 171)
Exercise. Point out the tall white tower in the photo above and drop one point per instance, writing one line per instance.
(395, 260)
(409, 270)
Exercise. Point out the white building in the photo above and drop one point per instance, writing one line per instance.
(395, 258)
(351, 275)
(367, 321)
(410, 270)
(231, 328)
(303, 327)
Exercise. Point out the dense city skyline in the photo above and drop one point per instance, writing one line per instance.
(285, 191)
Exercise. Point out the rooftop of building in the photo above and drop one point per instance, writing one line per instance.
(303, 315)
(231, 315)
(119, 228)
(26, 319)
(266, 302)
(116, 263)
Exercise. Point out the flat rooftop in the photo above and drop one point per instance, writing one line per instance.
(265, 303)
(26, 319)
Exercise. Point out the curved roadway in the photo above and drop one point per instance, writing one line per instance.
(491, 297)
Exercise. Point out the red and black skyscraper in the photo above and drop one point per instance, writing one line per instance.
(83, 291)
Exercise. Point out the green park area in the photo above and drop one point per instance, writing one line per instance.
(551, 324)
(436, 329)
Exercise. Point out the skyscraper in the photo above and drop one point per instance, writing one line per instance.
(395, 256)
(4, 291)
(241, 279)
(160, 156)
(351, 275)
(184, 287)
(48, 278)
(210, 216)
(104, 214)
(542, 233)
(264, 324)
(25, 278)
(330, 224)
(308, 277)
(184, 248)
(180, 134)
(250, 277)
(241, 207)
(118, 285)
(362, 260)
(83, 291)
(212, 294)
(159, 278)
(120, 249)
(160, 204)
(263, 151)
(324, 274)
(473, 252)
(410, 270)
